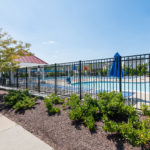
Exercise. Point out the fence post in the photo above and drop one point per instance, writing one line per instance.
(2, 78)
(17, 78)
(120, 74)
(55, 79)
(26, 77)
(80, 80)
(149, 69)
(39, 79)
(9, 78)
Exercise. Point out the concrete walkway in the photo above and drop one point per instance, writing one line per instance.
(14, 137)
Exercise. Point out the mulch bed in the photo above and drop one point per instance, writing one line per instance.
(59, 131)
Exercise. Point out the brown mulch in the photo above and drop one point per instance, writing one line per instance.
(59, 131)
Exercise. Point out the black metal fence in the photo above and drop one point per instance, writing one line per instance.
(90, 76)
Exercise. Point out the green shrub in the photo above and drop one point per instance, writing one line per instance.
(109, 125)
(49, 105)
(137, 133)
(73, 101)
(55, 99)
(85, 112)
(108, 104)
(12, 98)
(145, 110)
(128, 126)
(26, 103)
(90, 122)
(19, 100)
(112, 104)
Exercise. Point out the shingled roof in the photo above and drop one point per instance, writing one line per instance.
(30, 59)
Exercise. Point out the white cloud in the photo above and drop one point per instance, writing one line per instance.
(49, 42)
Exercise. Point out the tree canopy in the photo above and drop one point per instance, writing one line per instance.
(10, 50)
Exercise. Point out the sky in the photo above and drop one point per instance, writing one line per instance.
(71, 30)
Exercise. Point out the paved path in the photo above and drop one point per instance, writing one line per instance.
(14, 137)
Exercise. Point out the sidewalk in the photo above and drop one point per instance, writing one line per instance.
(14, 137)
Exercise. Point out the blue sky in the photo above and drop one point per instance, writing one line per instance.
(72, 30)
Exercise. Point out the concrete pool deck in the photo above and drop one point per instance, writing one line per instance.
(15, 137)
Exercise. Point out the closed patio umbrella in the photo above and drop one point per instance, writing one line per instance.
(116, 67)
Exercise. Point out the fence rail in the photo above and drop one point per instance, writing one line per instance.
(90, 76)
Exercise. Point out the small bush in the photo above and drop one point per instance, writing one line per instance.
(145, 110)
(109, 125)
(56, 99)
(137, 133)
(49, 105)
(19, 100)
(73, 101)
(112, 104)
(90, 122)
(12, 98)
(27, 103)
(85, 112)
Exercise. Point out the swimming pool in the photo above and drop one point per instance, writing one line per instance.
(96, 86)
(114, 86)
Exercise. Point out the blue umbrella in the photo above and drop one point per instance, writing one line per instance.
(74, 68)
(116, 69)
(68, 80)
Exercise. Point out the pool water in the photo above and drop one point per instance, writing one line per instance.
(97, 86)
(114, 86)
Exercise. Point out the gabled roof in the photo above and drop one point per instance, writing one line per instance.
(30, 59)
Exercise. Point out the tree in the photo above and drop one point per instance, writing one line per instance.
(139, 70)
(10, 50)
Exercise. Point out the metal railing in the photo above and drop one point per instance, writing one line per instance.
(90, 76)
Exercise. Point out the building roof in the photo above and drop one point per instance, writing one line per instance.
(30, 59)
